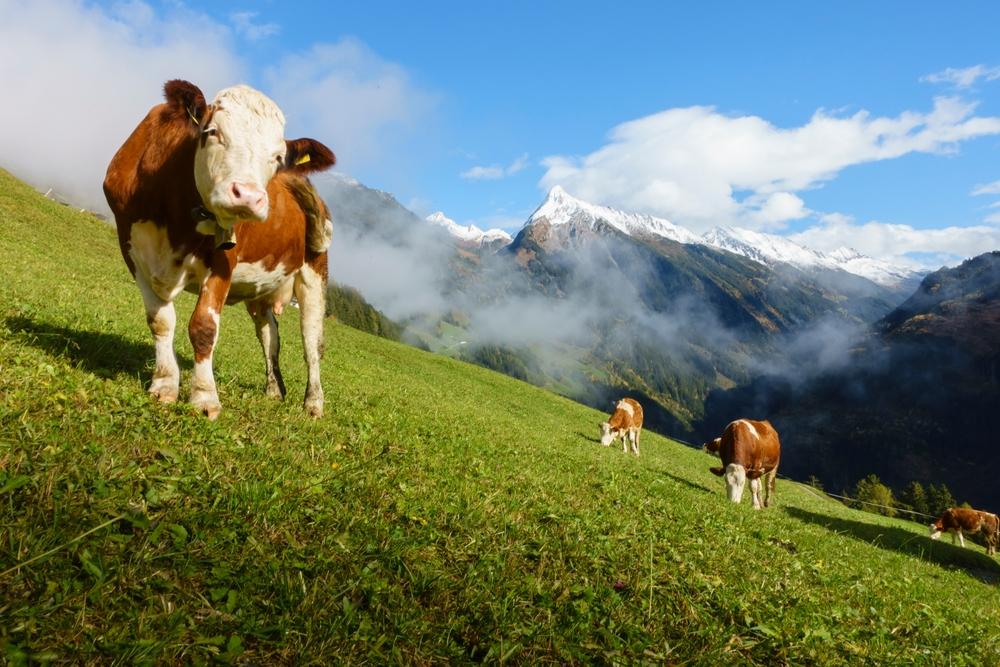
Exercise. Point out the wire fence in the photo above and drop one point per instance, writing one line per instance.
(826, 493)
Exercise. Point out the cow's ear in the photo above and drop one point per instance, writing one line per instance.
(717, 471)
(308, 155)
(186, 95)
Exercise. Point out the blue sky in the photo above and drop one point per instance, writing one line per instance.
(856, 123)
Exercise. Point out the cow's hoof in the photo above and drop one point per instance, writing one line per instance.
(164, 393)
(314, 408)
(211, 411)
(210, 407)
(275, 391)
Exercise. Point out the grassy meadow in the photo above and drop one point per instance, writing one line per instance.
(438, 513)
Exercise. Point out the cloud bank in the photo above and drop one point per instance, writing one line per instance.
(700, 168)
(78, 78)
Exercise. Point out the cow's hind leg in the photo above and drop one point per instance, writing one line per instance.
(267, 333)
(310, 290)
(769, 483)
(961, 539)
(635, 442)
(162, 320)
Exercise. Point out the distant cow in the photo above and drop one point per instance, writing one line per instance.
(625, 423)
(749, 450)
(188, 180)
(958, 520)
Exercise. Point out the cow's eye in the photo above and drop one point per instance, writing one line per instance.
(279, 158)
(210, 132)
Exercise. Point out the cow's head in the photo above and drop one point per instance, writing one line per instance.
(936, 529)
(713, 446)
(241, 146)
(736, 478)
(607, 435)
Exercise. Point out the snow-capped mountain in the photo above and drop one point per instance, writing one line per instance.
(561, 208)
(875, 270)
(470, 233)
(771, 248)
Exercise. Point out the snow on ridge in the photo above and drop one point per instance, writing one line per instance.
(560, 208)
(468, 233)
(770, 248)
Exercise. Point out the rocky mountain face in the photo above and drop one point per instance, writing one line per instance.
(594, 302)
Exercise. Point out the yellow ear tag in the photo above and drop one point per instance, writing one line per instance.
(302, 160)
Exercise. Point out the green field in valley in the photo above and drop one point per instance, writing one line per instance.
(438, 512)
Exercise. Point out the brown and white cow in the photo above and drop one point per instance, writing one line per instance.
(749, 450)
(958, 520)
(229, 163)
(625, 423)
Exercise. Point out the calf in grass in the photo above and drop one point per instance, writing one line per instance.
(958, 520)
(625, 423)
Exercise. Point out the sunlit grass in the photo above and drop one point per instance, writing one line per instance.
(438, 513)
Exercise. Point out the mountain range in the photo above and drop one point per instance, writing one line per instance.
(559, 207)
(593, 302)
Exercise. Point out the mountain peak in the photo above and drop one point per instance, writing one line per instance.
(468, 233)
(561, 208)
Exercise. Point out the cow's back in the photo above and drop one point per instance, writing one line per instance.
(751, 444)
(636, 412)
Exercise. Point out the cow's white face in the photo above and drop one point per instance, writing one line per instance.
(241, 148)
(736, 479)
(607, 435)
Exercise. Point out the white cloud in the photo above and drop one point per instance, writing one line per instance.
(90, 78)
(987, 189)
(963, 78)
(899, 243)
(477, 173)
(778, 208)
(518, 165)
(495, 172)
(689, 164)
(349, 98)
(245, 25)
(94, 73)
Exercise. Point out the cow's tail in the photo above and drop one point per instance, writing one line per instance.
(319, 226)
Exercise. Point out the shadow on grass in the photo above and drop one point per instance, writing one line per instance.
(689, 483)
(105, 355)
(588, 438)
(970, 559)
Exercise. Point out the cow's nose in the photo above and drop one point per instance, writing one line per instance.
(250, 197)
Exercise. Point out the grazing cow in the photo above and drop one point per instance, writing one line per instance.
(192, 174)
(625, 423)
(959, 519)
(749, 450)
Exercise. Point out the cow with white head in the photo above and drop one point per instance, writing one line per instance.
(749, 450)
(193, 170)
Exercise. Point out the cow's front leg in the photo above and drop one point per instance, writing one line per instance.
(204, 332)
(162, 320)
(961, 540)
(310, 290)
(755, 492)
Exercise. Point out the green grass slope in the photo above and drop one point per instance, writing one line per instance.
(439, 512)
